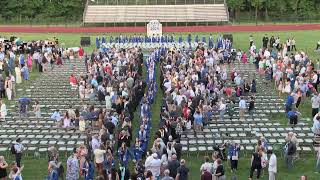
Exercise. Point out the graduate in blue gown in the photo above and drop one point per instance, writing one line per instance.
(189, 39)
(204, 39)
(220, 42)
(196, 39)
(172, 38)
(97, 42)
(103, 41)
(228, 44)
(180, 39)
(211, 42)
(111, 40)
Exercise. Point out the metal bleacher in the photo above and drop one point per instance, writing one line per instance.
(164, 13)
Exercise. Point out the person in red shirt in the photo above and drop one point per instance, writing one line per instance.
(186, 111)
(108, 70)
(59, 61)
(73, 80)
(81, 52)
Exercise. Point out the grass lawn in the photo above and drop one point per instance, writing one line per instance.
(35, 169)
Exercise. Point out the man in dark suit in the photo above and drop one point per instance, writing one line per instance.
(265, 41)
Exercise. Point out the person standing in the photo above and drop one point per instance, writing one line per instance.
(220, 171)
(182, 171)
(2, 88)
(251, 106)
(8, 87)
(36, 109)
(265, 41)
(3, 168)
(166, 175)
(250, 41)
(234, 156)
(206, 175)
(13, 82)
(173, 165)
(80, 53)
(3, 110)
(315, 103)
(290, 150)
(18, 147)
(318, 161)
(293, 44)
(272, 165)
(72, 167)
(18, 75)
(198, 120)
(25, 73)
(29, 62)
(256, 163)
(314, 80)
(154, 165)
(242, 108)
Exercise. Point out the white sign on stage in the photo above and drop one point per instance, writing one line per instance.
(154, 27)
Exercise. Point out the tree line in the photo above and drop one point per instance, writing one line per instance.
(273, 9)
(41, 10)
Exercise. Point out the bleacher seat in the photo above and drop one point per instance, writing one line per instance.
(163, 13)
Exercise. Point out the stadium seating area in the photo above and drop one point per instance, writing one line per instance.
(163, 13)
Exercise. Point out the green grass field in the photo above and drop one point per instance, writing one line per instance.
(36, 169)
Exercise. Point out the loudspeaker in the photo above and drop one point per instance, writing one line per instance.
(85, 41)
(228, 36)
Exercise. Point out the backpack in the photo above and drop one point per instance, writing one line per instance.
(13, 150)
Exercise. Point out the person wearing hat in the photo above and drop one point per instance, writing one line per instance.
(18, 147)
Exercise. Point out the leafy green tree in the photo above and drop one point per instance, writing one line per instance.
(257, 4)
(235, 6)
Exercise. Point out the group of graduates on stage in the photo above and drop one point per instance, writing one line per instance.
(221, 43)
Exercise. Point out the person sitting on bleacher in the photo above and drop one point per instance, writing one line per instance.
(316, 125)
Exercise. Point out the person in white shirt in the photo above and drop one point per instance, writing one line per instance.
(293, 44)
(237, 80)
(206, 166)
(99, 158)
(318, 161)
(315, 104)
(154, 165)
(18, 147)
(3, 110)
(272, 165)
(253, 48)
(316, 125)
(95, 144)
(57, 117)
(242, 108)
(222, 109)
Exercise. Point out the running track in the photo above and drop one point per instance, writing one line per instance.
(225, 28)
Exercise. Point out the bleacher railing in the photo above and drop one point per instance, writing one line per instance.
(153, 2)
